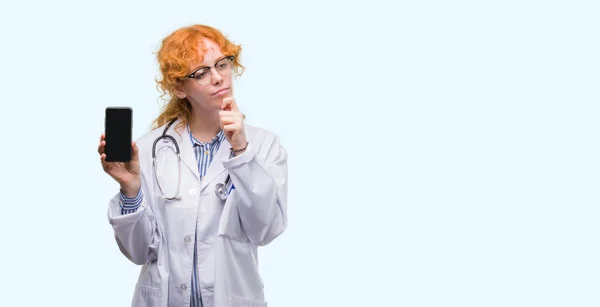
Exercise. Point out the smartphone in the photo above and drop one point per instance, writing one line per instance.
(118, 123)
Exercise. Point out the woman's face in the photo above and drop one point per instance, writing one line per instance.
(212, 80)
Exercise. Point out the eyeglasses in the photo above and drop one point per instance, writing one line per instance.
(203, 75)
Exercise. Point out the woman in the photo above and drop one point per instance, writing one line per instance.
(198, 249)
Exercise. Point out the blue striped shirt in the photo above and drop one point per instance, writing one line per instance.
(204, 155)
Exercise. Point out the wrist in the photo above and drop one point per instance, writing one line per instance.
(237, 150)
(237, 153)
(131, 190)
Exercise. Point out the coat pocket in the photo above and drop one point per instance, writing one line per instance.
(236, 301)
(147, 296)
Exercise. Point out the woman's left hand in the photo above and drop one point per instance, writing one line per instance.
(232, 123)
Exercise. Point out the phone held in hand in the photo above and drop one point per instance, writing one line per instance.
(118, 123)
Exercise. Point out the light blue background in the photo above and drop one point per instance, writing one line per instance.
(440, 153)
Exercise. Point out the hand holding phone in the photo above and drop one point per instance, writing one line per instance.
(118, 154)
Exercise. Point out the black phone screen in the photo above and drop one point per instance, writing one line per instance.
(117, 130)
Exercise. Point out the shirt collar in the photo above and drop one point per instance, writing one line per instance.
(215, 140)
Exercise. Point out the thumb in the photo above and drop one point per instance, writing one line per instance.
(134, 151)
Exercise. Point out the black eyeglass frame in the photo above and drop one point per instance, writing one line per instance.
(193, 75)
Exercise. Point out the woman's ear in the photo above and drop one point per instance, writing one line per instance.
(179, 91)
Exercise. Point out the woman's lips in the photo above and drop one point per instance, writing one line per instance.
(221, 92)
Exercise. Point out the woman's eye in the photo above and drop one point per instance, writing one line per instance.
(200, 74)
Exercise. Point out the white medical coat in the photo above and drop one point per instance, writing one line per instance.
(160, 234)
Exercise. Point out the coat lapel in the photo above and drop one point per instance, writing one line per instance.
(216, 167)
(185, 147)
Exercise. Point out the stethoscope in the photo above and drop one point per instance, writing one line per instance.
(220, 188)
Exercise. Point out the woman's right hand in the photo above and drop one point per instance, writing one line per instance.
(127, 174)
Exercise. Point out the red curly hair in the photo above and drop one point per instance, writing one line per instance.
(178, 52)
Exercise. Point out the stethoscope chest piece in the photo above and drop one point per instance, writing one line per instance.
(221, 189)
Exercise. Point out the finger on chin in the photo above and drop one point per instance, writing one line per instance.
(225, 105)
(230, 104)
